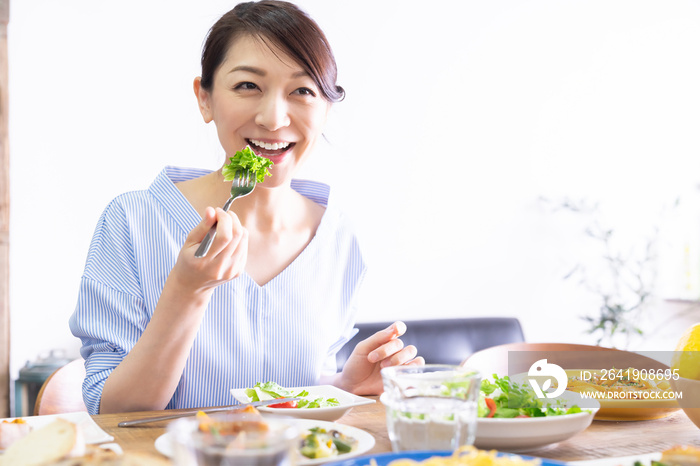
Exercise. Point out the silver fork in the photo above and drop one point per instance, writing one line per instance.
(242, 185)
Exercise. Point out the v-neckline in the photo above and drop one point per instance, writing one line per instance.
(307, 250)
(178, 203)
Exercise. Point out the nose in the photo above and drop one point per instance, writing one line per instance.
(273, 113)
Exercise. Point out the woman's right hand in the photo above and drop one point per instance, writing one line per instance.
(168, 337)
(227, 255)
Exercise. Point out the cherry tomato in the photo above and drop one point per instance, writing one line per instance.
(288, 404)
(491, 405)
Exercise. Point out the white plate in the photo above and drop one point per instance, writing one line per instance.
(518, 435)
(92, 432)
(620, 461)
(365, 441)
(347, 401)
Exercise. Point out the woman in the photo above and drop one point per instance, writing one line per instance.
(274, 298)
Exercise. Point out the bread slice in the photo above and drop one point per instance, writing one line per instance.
(109, 458)
(11, 431)
(42, 446)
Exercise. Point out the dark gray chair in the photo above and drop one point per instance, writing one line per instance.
(444, 341)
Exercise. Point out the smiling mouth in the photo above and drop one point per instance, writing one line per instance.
(266, 149)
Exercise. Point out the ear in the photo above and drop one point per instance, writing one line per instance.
(203, 99)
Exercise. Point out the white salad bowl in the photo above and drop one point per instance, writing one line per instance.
(347, 402)
(518, 435)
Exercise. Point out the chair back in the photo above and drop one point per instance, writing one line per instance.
(444, 341)
(62, 392)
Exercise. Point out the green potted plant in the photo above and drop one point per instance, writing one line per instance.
(622, 276)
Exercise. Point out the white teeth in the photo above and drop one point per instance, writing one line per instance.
(268, 146)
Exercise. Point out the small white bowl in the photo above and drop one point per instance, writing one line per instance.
(347, 402)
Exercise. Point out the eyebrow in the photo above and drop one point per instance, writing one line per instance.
(260, 72)
(249, 69)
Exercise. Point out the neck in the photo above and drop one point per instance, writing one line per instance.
(267, 208)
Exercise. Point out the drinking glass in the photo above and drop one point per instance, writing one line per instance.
(430, 407)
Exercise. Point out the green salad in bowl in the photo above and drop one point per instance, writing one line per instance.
(505, 398)
(510, 416)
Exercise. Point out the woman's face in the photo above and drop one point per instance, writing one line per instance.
(262, 98)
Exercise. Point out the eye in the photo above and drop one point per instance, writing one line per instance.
(304, 91)
(245, 86)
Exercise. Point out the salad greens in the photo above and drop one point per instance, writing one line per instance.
(506, 399)
(272, 390)
(246, 159)
(458, 388)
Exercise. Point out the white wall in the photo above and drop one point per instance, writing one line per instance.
(459, 117)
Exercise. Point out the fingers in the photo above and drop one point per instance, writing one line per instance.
(237, 254)
(228, 253)
(404, 356)
(390, 333)
(200, 231)
(418, 361)
(398, 328)
(386, 350)
(389, 349)
(229, 232)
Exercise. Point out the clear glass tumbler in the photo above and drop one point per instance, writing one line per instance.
(430, 407)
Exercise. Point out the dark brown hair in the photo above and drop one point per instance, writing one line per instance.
(287, 27)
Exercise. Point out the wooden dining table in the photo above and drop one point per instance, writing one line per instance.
(602, 439)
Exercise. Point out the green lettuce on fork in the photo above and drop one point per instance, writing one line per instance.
(246, 159)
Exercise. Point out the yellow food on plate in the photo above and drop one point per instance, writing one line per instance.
(467, 456)
(629, 383)
(686, 359)
(681, 456)
(627, 394)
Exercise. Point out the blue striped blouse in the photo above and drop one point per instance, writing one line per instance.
(286, 331)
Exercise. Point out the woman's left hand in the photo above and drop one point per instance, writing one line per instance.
(361, 373)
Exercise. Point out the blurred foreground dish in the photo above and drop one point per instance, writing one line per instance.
(467, 456)
(241, 438)
(47, 445)
(680, 456)
(11, 431)
(248, 419)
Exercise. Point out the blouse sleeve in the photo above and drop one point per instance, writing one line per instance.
(110, 315)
